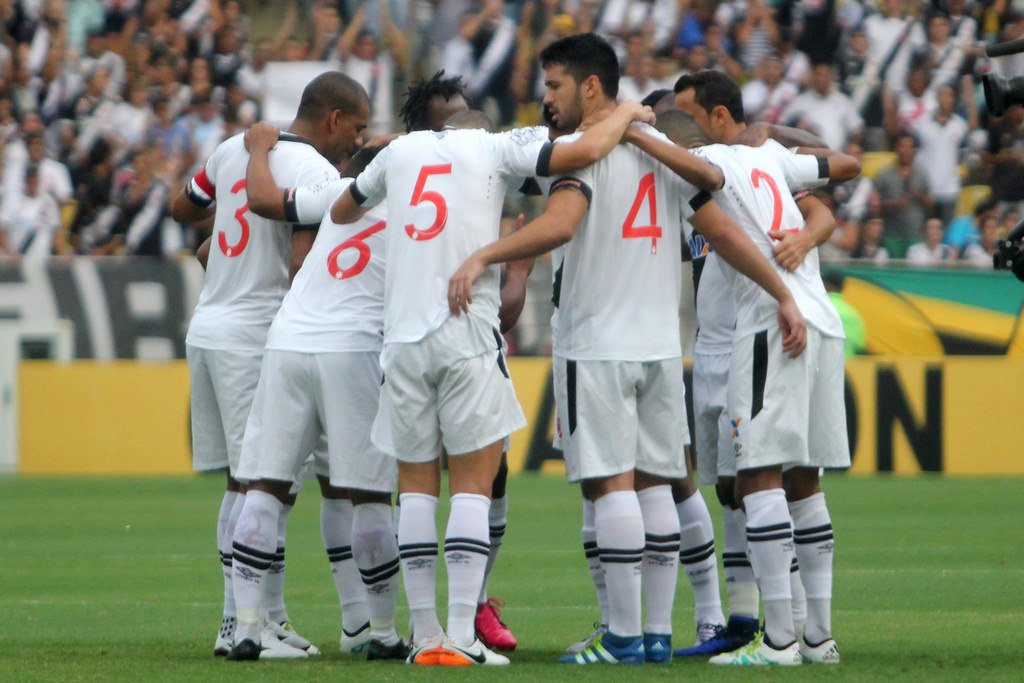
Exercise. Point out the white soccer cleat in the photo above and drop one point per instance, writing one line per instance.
(354, 643)
(427, 652)
(225, 637)
(272, 648)
(286, 634)
(824, 653)
(477, 654)
(579, 647)
(760, 653)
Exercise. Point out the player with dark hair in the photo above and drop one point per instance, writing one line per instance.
(248, 272)
(619, 222)
(429, 103)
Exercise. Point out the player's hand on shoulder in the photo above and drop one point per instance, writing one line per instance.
(261, 136)
(754, 135)
(638, 112)
(790, 247)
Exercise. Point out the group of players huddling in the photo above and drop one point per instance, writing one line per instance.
(385, 350)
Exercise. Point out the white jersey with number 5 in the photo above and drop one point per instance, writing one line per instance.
(247, 273)
(444, 198)
(617, 290)
(759, 183)
(336, 301)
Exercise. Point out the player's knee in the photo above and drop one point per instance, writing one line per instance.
(725, 489)
(360, 497)
(800, 483)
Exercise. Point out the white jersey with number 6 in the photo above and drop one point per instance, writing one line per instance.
(247, 273)
(336, 301)
(617, 290)
(759, 183)
(444, 196)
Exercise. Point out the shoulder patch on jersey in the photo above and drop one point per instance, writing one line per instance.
(572, 184)
(523, 136)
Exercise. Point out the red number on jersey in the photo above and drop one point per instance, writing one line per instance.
(756, 176)
(232, 250)
(630, 230)
(419, 196)
(354, 242)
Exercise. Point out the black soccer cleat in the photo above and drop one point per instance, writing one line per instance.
(378, 650)
(245, 651)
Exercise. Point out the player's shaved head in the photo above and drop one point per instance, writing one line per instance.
(466, 120)
(680, 128)
(660, 100)
(713, 89)
(329, 91)
(583, 56)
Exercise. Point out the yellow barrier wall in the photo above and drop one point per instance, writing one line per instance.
(959, 415)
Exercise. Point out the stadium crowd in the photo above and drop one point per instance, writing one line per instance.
(107, 105)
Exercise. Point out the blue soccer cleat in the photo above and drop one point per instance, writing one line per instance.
(657, 648)
(609, 649)
(738, 632)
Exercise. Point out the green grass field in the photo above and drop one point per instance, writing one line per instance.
(117, 579)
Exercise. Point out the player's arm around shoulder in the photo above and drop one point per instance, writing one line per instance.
(691, 168)
(598, 140)
(791, 247)
(570, 198)
(265, 197)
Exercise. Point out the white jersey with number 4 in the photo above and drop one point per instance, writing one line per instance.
(247, 273)
(759, 182)
(617, 290)
(336, 301)
(444, 197)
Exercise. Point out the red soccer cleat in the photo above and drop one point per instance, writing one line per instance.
(490, 629)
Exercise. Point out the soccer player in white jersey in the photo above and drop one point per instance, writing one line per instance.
(246, 278)
(445, 379)
(784, 411)
(617, 334)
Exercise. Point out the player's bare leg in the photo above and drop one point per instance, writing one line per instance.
(660, 567)
(814, 545)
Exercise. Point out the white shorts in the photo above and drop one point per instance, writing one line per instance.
(712, 436)
(788, 411)
(435, 395)
(223, 384)
(615, 416)
(302, 396)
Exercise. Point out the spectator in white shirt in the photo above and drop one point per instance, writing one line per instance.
(979, 254)
(905, 108)
(824, 110)
(53, 177)
(767, 96)
(932, 251)
(30, 221)
(941, 135)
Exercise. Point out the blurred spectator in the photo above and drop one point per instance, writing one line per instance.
(853, 322)
(856, 198)
(483, 55)
(204, 125)
(640, 79)
(824, 110)
(904, 193)
(966, 230)
(981, 253)
(756, 34)
(767, 96)
(852, 61)
(943, 56)
(30, 220)
(942, 134)
(869, 245)
(930, 252)
(52, 176)
(905, 108)
(1005, 157)
(656, 19)
(892, 37)
(142, 192)
(92, 229)
(99, 54)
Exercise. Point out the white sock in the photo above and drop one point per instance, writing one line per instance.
(417, 547)
(225, 531)
(620, 543)
(740, 585)
(336, 531)
(497, 519)
(466, 547)
(253, 551)
(273, 586)
(660, 566)
(815, 546)
(375, 550)
(697, 553)
(770, 542)
(796, 587)
(589, 534)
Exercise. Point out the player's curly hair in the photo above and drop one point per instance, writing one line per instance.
(418, 96)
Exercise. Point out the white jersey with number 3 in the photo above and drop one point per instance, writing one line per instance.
(444, 197)
(247, 272)
(336, 302)
(617, 290)
(759, 182)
